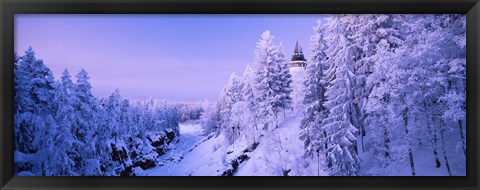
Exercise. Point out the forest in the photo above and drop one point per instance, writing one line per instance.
(380, 95)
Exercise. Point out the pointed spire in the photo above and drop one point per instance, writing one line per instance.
(298, 59)
(298, 48)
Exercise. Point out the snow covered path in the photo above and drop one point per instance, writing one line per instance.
(168, 164)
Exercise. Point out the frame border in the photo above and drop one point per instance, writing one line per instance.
(8, 8)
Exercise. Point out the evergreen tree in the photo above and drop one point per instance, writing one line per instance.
(284, 84)
(248, 98)
(34, 85)
(140, 148)
(232, 95)
(86, 122)
(118, 158)
(314, 85)
(63, 155)
(270, 81)
(342, 155)
(210, 117)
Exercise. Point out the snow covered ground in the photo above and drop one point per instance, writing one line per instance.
(278, 153)
(282, 151)
(198, 155)
(172, 163)
(424, 164)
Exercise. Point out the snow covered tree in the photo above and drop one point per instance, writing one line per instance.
(139, 146)
(436, 45)
(61, 129)
(342, 154)
(270, 81)
(125, 119)
(210, 117)
(189, 111)
(401, 110)
(408, 85)
(455, 98)
(117, 159)
(379, 117)
(242, 118)
(249, 99)
(284, 83)
(63, 161)
(34, 86)
(166, 117)
(24, 129)
(231, 95)
(451, 76)
(376, 73)
(314, 85)
(86, 121)
(373, 29)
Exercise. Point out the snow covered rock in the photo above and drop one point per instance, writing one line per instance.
(118, 153)
(161, 140)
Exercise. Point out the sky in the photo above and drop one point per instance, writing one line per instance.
(184, 58)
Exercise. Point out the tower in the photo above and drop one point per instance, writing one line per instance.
(298, 59)
(297, 71)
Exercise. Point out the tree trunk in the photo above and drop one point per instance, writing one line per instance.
(462, 136)
(361, 127)
(363, 131)
(435, 149)
(434, 143)
(326, 144)
(318, 162)
(386, 140)
(434, 139)
(362, 136)
(410, 154)
(442, 129)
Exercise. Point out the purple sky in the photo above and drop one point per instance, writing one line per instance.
(177, 57)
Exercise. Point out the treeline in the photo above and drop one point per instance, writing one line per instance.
(392, 83)
(61, 129)
(189, 111)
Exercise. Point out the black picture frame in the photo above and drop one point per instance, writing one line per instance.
(8, 8)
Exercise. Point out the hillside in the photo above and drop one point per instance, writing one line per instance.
(276, 153)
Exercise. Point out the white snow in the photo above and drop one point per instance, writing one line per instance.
(281, 150)
(198, 155)
(185, 159)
